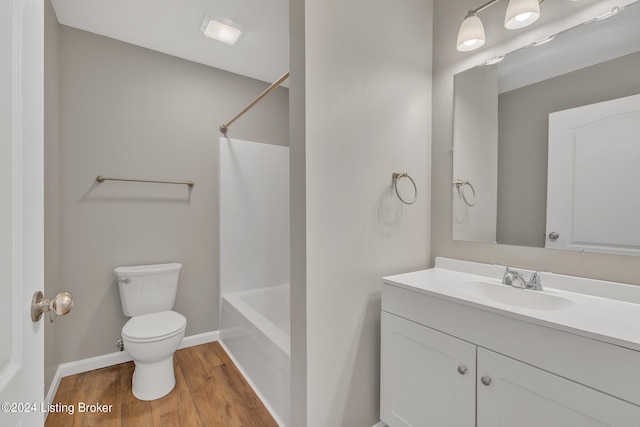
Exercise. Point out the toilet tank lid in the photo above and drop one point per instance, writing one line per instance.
(139, 270)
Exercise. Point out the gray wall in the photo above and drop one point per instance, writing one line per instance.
(447, 62)
(298, 213)
(51, 189)
(523, 140)
(367, 109)
(130, 112)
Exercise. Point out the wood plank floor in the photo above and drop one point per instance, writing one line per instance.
(209, 392)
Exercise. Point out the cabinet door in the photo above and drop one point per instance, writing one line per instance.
(520, 395)
(427, 377)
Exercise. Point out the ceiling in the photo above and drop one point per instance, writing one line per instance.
(173, 27)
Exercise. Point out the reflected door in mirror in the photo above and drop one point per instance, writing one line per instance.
(593, 193)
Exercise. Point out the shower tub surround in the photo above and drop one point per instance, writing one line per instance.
(257, 337)
(254, 267)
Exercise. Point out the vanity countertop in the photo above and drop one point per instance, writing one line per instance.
(596, 309)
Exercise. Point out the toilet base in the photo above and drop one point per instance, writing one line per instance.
(153, 380)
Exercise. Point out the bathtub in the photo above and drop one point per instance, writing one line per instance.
(255, 332)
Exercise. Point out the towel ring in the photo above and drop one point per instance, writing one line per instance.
(396, 176)
(460, 186)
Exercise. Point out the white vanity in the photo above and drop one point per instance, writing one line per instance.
(461, 349)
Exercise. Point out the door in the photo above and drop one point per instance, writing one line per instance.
(427, 377)
(593, 178)
(21, 211)
(513, 394)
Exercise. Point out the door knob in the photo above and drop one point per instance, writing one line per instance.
(553, 235)
(486, 380)
(58, 306)
(462, 369)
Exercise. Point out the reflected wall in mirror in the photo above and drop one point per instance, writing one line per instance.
(548, 137)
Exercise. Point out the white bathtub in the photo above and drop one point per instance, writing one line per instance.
(255, 331)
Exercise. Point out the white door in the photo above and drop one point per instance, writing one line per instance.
(427, 377)
(593, 188)
(513, 394)
(21, 210)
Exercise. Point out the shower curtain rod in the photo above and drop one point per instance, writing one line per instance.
(225, 128)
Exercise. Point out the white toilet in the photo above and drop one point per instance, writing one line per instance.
(154, 332)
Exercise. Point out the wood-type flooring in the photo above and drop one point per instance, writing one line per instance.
(209, 391)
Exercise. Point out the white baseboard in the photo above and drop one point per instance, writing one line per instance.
(380, 424)
(98, 362)
(204, 338)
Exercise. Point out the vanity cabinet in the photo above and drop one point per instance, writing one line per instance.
(431, 378)
(427, 377)
(512, 393)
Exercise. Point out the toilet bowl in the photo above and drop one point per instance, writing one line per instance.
(155, 331)
(151, 341)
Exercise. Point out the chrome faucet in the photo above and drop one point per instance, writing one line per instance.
(516, 279)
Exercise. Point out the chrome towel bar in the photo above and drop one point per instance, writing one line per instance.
(101, 178)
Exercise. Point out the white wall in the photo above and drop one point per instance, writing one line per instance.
(448, 15)
(367, 77)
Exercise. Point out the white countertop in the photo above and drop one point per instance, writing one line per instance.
(604, 319)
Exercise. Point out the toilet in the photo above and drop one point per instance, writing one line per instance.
(154, 332)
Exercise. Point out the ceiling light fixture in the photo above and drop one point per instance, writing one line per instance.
(221, 29)
(520, 13)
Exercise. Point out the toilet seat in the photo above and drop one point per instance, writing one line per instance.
(153, 327)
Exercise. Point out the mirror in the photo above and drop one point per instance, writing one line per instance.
(546, 146)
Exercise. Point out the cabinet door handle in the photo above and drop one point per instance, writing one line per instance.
(486, 380)
(462, 369)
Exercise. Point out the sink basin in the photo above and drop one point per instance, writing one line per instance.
(508, 295)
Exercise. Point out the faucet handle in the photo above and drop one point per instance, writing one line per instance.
(507, 275)
(535, 282)
(513, 278)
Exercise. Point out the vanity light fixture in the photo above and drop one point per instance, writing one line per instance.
(520, 13)
(471, 34)
(221, 29)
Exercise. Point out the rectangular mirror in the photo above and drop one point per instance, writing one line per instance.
(546, 142)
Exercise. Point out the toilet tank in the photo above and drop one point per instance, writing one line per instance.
(146, 289)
